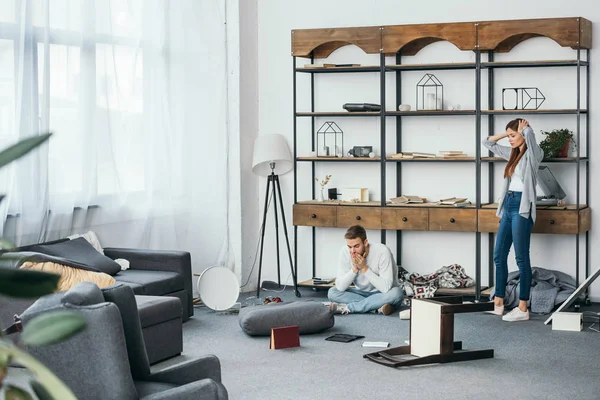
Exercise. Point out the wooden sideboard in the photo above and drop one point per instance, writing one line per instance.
(551, 220)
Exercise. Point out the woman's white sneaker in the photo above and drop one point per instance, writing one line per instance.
(516, 315)
(498, 310)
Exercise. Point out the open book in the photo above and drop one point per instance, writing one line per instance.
(405, 199)
(451, 201)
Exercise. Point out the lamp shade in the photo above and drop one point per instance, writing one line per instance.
(271, 148)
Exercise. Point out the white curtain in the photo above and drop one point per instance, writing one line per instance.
(134, 92)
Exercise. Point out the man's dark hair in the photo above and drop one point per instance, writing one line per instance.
(356, 231)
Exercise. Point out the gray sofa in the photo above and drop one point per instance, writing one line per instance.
(108, 359)
(151, 272)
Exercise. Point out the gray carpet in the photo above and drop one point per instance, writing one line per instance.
(531, 361)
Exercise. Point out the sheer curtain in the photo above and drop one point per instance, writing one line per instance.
(134, 92)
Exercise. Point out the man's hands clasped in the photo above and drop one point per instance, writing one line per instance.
(358, 264)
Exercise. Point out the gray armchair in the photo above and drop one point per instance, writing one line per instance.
(108, 359)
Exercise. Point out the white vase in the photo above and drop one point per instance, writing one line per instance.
(321, 195)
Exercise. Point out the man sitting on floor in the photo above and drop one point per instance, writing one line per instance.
(372, 269)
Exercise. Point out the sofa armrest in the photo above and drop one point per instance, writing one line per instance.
(160, 260)
(204, 367)
(206, 389)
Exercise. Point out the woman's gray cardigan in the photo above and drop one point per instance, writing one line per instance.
(532, 159)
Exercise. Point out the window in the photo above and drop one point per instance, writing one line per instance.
(88, 63)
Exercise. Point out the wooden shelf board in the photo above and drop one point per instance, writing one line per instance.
(561, 159)
(453, 159)
(532, 63)
(458, 65)
(429, 112)
(568, 207)
(338, 114)
(544, 111)
(340, 203)
(346, 159)
(360, 68)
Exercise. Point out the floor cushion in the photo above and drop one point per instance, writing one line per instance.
(310, 316)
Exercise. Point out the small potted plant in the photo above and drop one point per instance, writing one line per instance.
(557, 143)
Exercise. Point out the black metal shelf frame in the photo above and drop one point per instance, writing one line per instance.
(477, 66)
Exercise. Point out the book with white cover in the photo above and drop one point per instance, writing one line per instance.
(376, 344)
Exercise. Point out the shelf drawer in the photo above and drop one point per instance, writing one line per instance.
(404, 219)
(367, 217)
(487, 221)
(311, 215)
(562, 221)
(449, 219)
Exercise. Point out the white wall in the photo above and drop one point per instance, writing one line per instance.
(423, 252)
(248, 132)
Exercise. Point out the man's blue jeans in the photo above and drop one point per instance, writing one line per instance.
(362, 302)
(514, 229)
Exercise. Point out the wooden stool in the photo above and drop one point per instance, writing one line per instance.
(427, 317)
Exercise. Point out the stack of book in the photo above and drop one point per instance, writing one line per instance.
(322, 281)
(454, 201)
(411, 155)
(449, 154)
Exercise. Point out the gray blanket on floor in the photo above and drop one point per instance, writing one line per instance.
(548, 288)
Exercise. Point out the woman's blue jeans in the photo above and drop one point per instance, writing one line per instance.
(514, 229)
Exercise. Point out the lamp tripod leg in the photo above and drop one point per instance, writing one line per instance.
(276, 183)
(262, 235)
(287, 241)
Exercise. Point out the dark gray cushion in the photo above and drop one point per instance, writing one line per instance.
(310, 316)
(154, 283)
(16, 259)
(80, 250)
(83, 294)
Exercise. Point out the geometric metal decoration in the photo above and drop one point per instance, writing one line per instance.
(330, 140)
(522, 98)
(430, 93)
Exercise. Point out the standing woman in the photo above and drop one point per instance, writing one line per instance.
(516, 210)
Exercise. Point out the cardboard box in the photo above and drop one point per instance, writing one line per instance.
(352, 194)
(567, 321)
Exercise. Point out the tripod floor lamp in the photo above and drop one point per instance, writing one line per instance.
(272, 158)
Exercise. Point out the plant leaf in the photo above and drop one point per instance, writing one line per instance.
(21, 148)
(23, 283)
(55, 387)
(40, 391)
(15, 393)
(52, 327)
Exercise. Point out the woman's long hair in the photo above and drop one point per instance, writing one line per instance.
(516, 154)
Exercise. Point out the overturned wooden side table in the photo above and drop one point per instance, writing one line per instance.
(432, 335)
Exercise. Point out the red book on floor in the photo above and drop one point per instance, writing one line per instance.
(284, 337)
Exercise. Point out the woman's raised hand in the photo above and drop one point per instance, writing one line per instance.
(522, 124)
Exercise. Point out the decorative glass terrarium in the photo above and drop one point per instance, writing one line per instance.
(330, 140)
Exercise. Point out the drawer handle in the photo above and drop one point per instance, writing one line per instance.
(452, 220)
(551, 222)
(404, 219)
(358, 217)
(313, 215)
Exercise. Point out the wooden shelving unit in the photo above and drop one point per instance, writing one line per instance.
(484, 39)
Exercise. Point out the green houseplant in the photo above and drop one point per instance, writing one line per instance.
(557, 143)
(49, 328)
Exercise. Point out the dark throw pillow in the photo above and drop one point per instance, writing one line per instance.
(82, 251)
